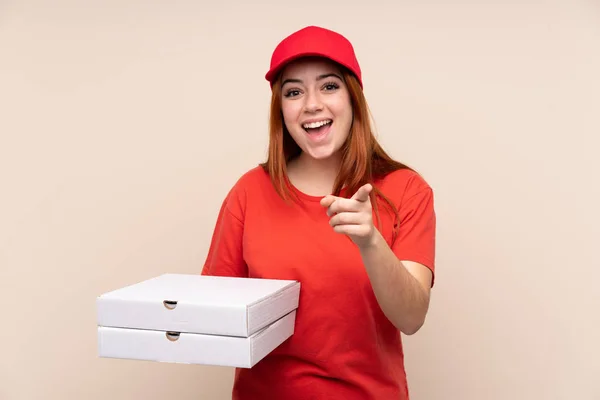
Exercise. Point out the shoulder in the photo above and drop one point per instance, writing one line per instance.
(251, 178)
(403, 184)
(254, 180)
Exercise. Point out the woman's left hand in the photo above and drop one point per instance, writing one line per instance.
(352, 217)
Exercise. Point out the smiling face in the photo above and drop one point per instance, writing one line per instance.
(316, 107)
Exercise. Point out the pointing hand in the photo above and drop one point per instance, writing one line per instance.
(352, 217)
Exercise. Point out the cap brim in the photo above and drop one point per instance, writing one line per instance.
(272, 74)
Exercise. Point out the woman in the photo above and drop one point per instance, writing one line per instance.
(330, 209)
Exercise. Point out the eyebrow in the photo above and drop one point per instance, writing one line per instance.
(320, 77)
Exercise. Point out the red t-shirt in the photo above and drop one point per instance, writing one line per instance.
(343, 346)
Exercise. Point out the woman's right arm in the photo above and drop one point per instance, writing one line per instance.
(225, 254)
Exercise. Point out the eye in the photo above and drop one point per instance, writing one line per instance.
(330, 86)
(292, 93)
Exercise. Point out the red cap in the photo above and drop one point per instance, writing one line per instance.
(314, 41)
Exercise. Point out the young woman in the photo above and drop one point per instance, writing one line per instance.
(330, 209)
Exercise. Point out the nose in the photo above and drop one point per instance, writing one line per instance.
(313, 102)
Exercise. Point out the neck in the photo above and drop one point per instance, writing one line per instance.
(312, 176)
(328, 167)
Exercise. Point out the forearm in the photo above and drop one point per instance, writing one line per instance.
(401, 296)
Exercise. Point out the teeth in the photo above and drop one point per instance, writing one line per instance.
(313, 125)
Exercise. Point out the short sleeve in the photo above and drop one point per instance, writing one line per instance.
(415, 239)
(225, 254)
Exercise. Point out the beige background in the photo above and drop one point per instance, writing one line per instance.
(124, 123)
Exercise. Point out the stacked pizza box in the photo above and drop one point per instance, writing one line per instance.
(196, 319)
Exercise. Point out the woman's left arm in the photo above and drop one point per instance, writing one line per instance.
(400, 282)
(402, 288)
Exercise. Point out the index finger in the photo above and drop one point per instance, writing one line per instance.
(328, 200)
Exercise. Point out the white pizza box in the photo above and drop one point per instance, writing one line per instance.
(194, 348)
(188, 303)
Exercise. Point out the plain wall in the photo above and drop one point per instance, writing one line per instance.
(124, 123)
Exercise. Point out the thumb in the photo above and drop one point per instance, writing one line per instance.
(362, 194)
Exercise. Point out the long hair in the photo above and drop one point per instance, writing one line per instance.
(363, 159)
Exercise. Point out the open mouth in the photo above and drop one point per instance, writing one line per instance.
(317, 127)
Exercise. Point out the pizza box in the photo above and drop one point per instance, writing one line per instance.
(197, 319)
(216, 305)
(194, 348)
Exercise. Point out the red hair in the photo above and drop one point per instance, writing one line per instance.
(363, 159)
